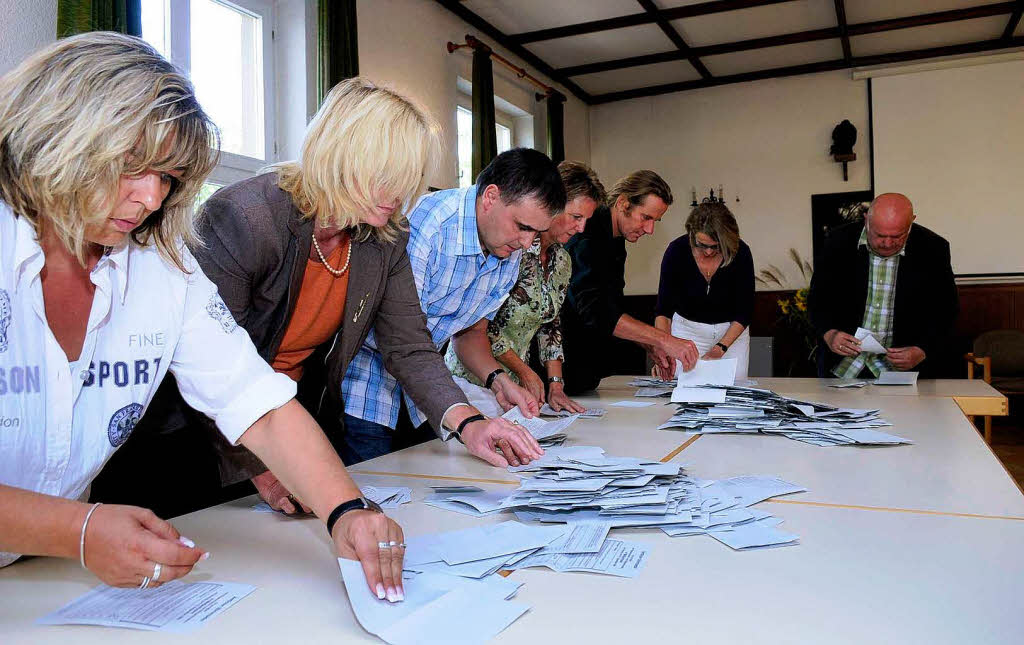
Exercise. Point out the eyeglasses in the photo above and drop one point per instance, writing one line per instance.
(705, 247)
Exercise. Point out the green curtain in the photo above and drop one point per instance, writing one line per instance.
(556, 126)
(337, 44)
(485, 136)
(80, 16)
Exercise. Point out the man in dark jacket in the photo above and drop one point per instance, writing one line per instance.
(592, 314)
(893, 278)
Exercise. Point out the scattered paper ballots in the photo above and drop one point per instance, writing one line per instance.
(893, 377)
(632, 404)
(868, 343)
(176, 606)
(589, 413)
(437, 608)
(744, 410)
(616, 558)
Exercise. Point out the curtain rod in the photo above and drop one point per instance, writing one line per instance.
(472, 42)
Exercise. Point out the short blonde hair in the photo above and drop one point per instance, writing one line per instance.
(78, 115)
(364, 142)
(715, 220)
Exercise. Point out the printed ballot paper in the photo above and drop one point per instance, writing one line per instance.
(173, 607)
(437, 608)
(868, 343)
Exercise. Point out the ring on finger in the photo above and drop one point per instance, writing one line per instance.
(385, 545)
(145, 582)
(157, 568)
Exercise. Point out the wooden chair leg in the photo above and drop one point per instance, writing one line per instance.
(988, 430)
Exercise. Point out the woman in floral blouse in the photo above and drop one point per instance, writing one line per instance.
(533, 306)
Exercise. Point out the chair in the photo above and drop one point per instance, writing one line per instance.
(1000, 354)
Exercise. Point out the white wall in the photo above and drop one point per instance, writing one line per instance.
(25, 26)
(402, 44)
(766, 140)
(952, 140)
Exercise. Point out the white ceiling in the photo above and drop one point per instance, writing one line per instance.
(513, 17)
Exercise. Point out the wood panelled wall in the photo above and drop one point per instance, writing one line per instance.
(982, 307)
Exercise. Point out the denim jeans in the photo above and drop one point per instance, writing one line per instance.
(366, 439)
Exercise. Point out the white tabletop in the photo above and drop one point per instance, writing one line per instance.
(921, 543)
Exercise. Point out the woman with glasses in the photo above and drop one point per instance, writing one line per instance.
(706, 292)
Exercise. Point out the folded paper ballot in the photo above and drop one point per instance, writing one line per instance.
(432, 601)
(892, 377)
(751, 411)
(720, 371)
(868, 343)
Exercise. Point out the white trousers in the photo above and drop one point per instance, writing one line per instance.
(705, 335)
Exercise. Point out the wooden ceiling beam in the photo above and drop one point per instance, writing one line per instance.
(645, 18)
(844, 34)
(811, 68)
(676, 38)
(826, 33)
(1015, 17)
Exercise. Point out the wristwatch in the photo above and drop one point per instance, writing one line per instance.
(556, 379)
(723, 346)
(357, 504)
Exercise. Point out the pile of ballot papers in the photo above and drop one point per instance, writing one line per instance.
(731, 409)
(593, 493)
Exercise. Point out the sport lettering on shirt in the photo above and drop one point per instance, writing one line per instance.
(122, 373)
(19, 379)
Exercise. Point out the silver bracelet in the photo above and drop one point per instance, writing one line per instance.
(81, 539)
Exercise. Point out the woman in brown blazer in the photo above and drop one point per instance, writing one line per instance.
(310, 257)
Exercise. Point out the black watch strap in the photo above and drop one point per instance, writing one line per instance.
(357, 504)
(465, 422)
(493, 375)
(724, 347)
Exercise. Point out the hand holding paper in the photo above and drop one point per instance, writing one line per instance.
(868, 343)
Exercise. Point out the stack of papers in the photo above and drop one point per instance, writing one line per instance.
(592, 493)
(589, 413)
(752, 411)
(892, 377)
(547, 433)
(437, 608)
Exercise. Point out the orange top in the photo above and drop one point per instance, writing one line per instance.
(318, 312)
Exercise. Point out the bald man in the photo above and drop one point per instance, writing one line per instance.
(893, 277)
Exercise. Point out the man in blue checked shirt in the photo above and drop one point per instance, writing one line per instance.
(464, 246)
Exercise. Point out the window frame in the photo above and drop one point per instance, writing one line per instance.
(232, 167)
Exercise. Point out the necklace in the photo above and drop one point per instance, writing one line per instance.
(337, 273)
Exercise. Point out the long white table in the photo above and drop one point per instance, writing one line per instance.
(921, 543)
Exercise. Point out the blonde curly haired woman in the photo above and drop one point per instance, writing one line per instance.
(103, 148)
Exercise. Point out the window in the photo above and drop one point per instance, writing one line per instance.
(225, 48)
(464, 127)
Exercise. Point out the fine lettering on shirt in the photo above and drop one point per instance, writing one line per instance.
(152, 339)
